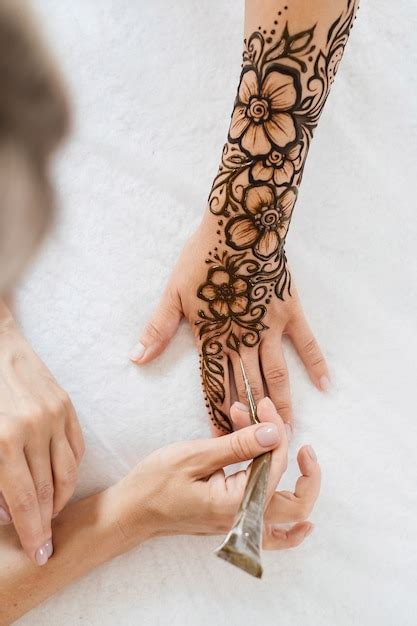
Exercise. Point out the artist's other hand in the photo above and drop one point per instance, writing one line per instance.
(264, 361)
(41, 444)
(183, 489)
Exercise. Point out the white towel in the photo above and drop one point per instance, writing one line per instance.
(153, 85)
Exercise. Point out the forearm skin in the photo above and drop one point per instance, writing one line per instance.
(86, 534)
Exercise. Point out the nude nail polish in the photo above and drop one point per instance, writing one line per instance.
(4, 517)
(267, 435)
(41, 555)
(324, 383)
(49, 546)
(241, 406)
(137, 352)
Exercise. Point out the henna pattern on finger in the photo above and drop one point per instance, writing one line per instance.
(284, 84)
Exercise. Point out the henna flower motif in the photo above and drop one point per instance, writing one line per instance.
(278, 166)
(226, 293)
(266, 222)
(263, 114)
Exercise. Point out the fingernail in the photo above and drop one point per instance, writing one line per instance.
(267, 435)
(288, 428)
(241, 406)
(324, 383)
(4, 516)
(49, 547)
(309, 530)
(41, 556)
(311, 454)
(137, 352)
(267, 401)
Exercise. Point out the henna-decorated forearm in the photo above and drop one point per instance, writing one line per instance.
(287, 72)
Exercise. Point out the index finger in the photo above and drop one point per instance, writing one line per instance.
(19, 492)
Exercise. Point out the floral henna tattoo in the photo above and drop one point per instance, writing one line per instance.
(284, 85)
(265, 223)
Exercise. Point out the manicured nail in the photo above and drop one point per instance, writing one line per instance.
(311, 454)
(267, 435)
(137, 352)
(288, 428)
(241, 406)
(41, 555)
(324, 383)
(49, 547)
(4, 516)
(309, 530)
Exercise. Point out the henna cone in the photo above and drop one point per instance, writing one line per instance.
(242, 546)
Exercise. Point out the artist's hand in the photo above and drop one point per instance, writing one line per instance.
(41, 444)
(182, 487)
(196, 286)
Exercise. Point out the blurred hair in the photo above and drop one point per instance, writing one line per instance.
(34, 118)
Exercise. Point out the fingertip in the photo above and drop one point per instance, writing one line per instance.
(307, 460)
(137, 353)
(267, 411)
(239, 414)
(266, 405)
(324, 383)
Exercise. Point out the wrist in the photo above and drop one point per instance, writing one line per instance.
(127, 522)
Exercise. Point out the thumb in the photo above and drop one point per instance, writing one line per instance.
(212, 454)
(160, 328)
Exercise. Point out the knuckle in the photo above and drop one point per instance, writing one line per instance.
(57, 408)
(31, 420)
(7, 442)
(277, 375)
(241, 392)
(153, 332)
(311, 347)
(45, 491)
(68, 476)
(257, 390)
(283, 408)
(24, 501)
(240, 447)
(317, 361)
(64, 399)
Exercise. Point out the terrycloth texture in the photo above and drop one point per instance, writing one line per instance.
(153, 85)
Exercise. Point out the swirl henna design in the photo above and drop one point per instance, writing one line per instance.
(284, 84)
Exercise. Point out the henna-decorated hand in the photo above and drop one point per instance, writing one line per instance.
(232, 281)
(228, 315)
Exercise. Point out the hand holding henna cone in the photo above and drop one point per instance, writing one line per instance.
(242, 546)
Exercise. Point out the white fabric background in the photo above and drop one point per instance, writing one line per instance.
(153, 85)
